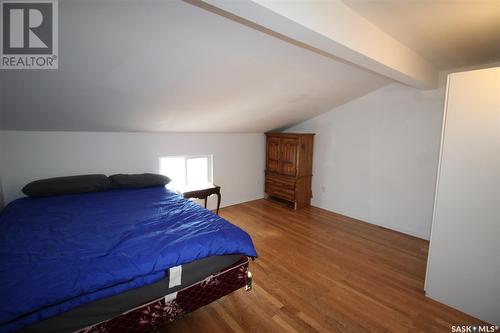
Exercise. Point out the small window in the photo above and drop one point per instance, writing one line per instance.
(187, 171)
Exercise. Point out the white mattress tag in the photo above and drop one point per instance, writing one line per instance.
(170, 297)
(174, 276)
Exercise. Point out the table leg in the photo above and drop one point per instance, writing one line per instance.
(218, 203)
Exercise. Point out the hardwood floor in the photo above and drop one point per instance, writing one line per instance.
(318, 271)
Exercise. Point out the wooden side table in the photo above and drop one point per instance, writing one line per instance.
(203, 193)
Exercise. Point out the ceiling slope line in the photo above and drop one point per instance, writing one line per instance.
(335, 31)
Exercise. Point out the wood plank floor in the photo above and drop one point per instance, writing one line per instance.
(318, 271)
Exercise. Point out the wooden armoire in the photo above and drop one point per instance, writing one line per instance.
(289, 167)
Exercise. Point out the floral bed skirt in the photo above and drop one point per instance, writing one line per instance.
(153, 315)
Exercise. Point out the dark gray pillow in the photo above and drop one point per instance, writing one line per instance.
(67, 185)
(138, 180)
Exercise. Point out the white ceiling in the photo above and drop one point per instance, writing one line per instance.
(171, 66)
(449, 34)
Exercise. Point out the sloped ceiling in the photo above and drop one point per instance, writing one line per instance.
(171, 66)
(450, 34)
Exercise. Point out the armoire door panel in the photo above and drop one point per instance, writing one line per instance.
(288, 149)
(273, 155)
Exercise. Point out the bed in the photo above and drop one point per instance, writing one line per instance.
(126, 260)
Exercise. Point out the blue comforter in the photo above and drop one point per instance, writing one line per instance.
(59, 252)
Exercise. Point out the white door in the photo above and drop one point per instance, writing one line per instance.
(464, 260)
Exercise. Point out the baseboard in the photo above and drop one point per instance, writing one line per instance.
(391, 227)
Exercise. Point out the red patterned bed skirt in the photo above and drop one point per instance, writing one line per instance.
(153, 315)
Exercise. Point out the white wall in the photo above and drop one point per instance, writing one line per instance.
(464, 265)
(238, 159)
(375, 158)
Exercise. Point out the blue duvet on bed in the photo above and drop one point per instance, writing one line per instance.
(59, 252)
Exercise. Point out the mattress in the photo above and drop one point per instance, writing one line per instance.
(111, 307)
(59, 253)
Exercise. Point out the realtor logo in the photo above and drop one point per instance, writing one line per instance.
(29, 34)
